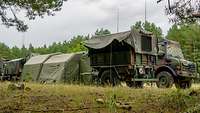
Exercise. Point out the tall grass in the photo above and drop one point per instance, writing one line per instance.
(78, 97)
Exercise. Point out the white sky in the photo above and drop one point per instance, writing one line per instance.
(82, 17)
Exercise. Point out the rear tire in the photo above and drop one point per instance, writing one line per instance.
(109, 78)
(165, 80)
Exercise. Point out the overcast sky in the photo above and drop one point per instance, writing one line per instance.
(82, 17)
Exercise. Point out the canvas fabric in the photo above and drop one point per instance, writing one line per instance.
(85, 70)
(132, 37)
(59, 68)
(32, 67)
(54, 68)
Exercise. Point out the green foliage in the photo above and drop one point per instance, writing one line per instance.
(5, 51)
(180, 98)
(112, 103)
(195, 109)
(24, 51)
(31, 48)
(151, 27)
(102, 32)
(73, 45)
(16, 52)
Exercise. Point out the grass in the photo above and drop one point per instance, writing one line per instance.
(82, 99)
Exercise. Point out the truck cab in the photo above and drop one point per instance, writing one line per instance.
(172, 67)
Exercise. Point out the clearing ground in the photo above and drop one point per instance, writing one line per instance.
(38, 98)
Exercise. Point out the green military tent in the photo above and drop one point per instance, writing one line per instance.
(32, 67)
(58, 68)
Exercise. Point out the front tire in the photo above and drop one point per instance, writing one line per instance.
(109, 78)
(165, 80)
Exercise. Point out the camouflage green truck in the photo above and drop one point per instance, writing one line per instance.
(136, 57)
(172, 66)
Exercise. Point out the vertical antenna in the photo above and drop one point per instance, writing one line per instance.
(169, 5)
(145, 17)
(117, 19)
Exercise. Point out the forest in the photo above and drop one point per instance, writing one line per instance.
(186, 34)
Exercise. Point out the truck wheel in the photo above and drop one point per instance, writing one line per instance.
(165, 80)
(183, 84)
(109, 77)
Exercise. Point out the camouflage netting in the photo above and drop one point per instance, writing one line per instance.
(58, 68)
(173, 48)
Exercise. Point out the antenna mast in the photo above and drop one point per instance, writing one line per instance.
(145, 17)
(117, 19)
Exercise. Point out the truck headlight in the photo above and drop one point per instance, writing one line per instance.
(185, 63)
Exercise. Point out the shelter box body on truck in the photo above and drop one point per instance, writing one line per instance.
(126, 48)
(128, 56)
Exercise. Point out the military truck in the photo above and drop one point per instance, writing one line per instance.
(173, 67)
(136, 57)
(11, 70)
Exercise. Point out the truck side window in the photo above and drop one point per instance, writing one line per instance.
(146, 43)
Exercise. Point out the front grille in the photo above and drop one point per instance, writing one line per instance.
(190, 68)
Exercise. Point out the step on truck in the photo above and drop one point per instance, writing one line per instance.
(136, 57)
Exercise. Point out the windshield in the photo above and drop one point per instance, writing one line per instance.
(174, 51)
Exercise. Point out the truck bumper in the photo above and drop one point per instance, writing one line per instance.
(187, 74)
